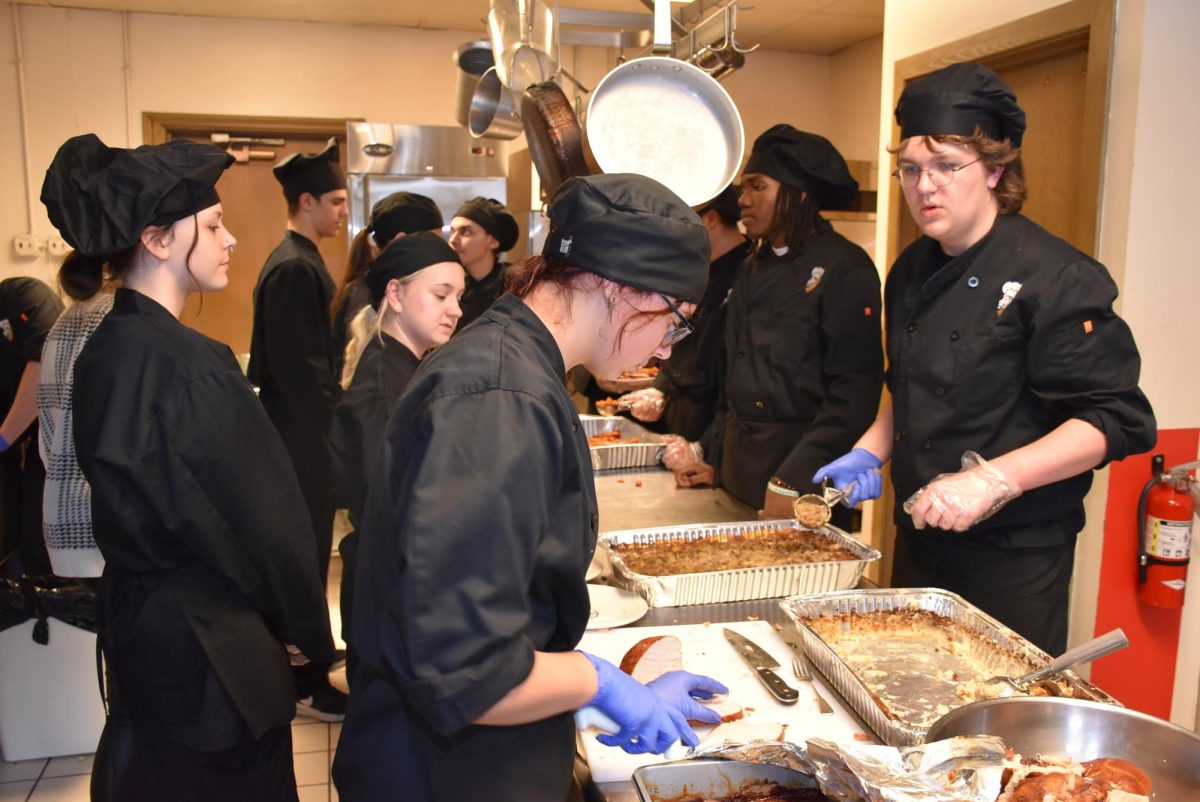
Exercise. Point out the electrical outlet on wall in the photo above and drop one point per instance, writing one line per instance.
(57, 246)
(26, 245)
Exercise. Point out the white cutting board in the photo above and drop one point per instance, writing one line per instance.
(705, 651)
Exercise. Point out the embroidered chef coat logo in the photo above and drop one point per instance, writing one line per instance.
(1009, 290)
(814, 279)
(7, 329)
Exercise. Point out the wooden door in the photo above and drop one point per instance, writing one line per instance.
(256, 213)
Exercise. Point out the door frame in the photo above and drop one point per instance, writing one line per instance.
(1043, 35)
(158, 126)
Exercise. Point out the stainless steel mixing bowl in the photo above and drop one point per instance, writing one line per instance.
(1084, 731)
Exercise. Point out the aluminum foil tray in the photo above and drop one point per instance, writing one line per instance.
(894, 730)
(644, 453)
(738, 584)
(703, 778)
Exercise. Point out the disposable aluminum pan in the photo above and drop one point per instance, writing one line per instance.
(714, 779)
(894, 730)
(646, 452)
(739, 584)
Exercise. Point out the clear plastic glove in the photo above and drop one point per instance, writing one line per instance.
(680, 689)
(859, 468)
(680, 453)
(958, 501)
(648, 722)
(646, 404)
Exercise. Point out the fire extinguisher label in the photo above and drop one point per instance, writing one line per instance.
(1176, 584)
(1169, 540)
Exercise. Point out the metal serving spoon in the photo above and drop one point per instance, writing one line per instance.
(1084, 653)
(813, 511)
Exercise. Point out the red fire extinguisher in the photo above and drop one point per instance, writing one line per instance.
(1165, 511)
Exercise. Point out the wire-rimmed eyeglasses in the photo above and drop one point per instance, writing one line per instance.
(676, 333)
(941, 174)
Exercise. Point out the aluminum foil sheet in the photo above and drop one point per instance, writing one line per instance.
(712, 587)
(913, 682)
(645, 453)
(968, 769)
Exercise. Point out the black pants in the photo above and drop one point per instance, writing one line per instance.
(22, 478)
(1027, 589)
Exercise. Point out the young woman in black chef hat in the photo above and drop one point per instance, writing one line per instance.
(415, 285)
(481, 521)
(802, 345)
(1011, 376)
(209, 562)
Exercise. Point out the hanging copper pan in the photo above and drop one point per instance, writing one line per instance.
(554, 136)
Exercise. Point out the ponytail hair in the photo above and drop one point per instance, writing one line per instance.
(366, 324)
(362, 254)
(81, 276)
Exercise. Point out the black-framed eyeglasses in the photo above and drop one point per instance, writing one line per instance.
(940, 174)
(676, 333)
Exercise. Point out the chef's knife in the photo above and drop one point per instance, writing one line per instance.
(762, 663)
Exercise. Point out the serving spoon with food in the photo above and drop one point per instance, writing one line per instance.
(1084, 653)
(813, 511)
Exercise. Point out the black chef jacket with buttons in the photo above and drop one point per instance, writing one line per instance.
(805, 365)
(691, 377)
(992, 350)
(479, 526)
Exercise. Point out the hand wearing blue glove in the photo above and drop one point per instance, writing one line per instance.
(860, 468)
(680, 689)
(648, 717)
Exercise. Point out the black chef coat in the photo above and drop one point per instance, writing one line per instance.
(28, 309)
(479, 527)
(209, 560)
(291, 361)
(689, 379)
(361, 414)
(479, 295)
(357, 296)
(969, 370)
(805, 365)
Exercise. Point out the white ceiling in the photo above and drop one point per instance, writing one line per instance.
(798, 26)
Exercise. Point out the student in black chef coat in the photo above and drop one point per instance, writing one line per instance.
(28, 310)
(415, 287)
(395, 216)
(482, 519)
(1010, 373)
(802, 343)
(292, 363)
(209, 563)
(482, 230)
(684, 396)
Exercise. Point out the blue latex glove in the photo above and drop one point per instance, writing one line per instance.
(648, 722)
(680, 689)
(860, 468)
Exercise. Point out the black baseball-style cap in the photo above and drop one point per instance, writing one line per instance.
(404, 257)
(632, 230)
(493, 218)
(955, 100)
(101, 199)
(314, 173)
(805, 162)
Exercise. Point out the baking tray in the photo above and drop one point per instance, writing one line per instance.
(642, 454)
(739, 584)
(893, 730)
(708, 778)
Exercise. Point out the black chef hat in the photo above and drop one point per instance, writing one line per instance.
(805, 162)
(314, 173)
(493, 218)
(955, 99)
(726, 205)
(101, 199)
(630, 229)
(403, 212)
(404, 257)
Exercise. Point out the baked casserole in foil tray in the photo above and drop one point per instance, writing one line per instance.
(742, 583)
(903, 658)
(620, 443)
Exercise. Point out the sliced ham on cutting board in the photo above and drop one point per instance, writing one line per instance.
(704, 650)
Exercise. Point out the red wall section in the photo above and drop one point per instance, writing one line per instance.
(1141, 676)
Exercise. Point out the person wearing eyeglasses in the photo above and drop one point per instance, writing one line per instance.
(804, 362)
(481, 520)
(1012, 378)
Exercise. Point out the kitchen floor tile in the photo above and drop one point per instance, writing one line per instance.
(22, 770)
(335, 735)
(312, 736)
(69, 765)
(63, 789)
(314, 793)
(15, 792)
(312, 768)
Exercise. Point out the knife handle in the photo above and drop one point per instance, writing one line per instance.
(785, 693)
